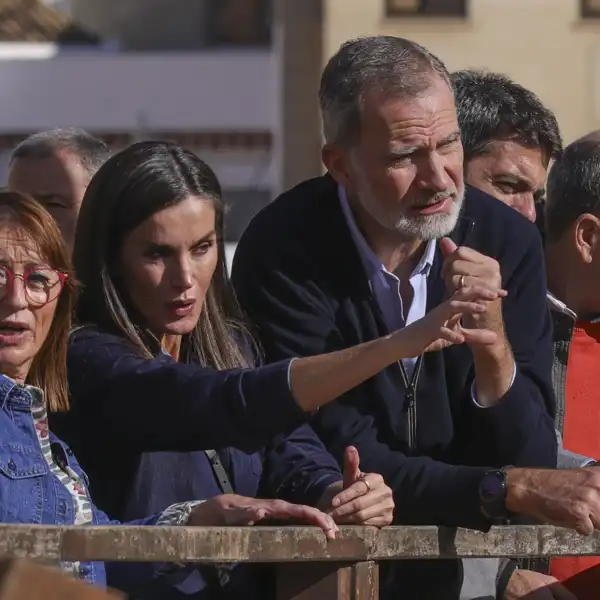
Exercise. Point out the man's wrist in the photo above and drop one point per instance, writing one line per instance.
(474, 388)
(519, 483)
(494, 372)
(498, 352)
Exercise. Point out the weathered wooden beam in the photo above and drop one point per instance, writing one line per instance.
(286, 544)
(364, 581)
(312, 581)
(335, 581)
(186, 544)
(512, 540)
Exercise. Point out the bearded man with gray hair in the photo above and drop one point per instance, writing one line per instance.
(386, 235)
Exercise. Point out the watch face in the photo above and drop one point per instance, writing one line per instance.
(491, 487)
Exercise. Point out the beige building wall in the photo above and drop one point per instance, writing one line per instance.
(299, 49)
(543, 44)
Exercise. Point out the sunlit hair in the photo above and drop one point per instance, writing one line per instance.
(49, 367)
(128, 189)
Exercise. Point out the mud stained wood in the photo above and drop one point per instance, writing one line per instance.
(286, 544)
(365, 579)
(335, 581)
(311, 581)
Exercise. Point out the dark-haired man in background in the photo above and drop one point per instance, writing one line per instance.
(509, 138)
(55, 167)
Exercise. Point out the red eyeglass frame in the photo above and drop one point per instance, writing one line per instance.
(62, 277)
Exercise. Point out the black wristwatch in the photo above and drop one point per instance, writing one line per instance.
(492, 496)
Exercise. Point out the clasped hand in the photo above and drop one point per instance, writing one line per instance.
(466, 268)
(365, 498)
(472, 315)
(362, 498)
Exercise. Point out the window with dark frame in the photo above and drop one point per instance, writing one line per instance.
(590, 9)
(240, 22)
(426, 8)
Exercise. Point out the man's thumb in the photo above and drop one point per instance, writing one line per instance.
(447, 246)
(351, 466)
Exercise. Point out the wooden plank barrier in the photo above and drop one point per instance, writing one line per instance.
(309, 567)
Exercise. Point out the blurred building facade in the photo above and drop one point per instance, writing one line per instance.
(549, 46)
(202, 73)
(236, 80)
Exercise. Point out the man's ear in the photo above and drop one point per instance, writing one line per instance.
(337, 163)
(586, 234)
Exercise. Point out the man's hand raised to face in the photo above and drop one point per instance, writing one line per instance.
(466, 267)
(495, 367)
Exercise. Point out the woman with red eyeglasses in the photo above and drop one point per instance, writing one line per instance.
(40, 480)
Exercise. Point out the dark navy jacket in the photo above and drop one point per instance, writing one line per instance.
(299, 277)
(139, 427)
(29, 492)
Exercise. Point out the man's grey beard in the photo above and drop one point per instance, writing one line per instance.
(423, 227)
(436, 226)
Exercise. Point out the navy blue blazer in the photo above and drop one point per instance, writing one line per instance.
(299, 277)
(139, 426)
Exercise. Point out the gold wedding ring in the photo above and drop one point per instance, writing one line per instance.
(364, 479)
(461, 281)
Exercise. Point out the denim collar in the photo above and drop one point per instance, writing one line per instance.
(17, 395)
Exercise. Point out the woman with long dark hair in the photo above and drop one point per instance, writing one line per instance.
(167, 404)
(41, 482)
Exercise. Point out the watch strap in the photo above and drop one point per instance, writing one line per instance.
(496, 511)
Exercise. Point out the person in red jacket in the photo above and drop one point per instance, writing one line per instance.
(572, 218)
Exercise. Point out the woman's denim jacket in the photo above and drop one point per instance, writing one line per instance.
(29, 492)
